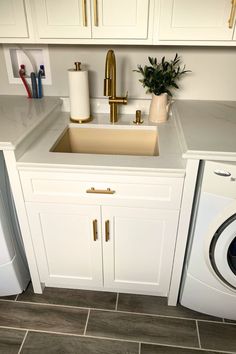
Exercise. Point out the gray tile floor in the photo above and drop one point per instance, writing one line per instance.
(63, 321)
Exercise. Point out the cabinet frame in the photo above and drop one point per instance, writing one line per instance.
(107, 209)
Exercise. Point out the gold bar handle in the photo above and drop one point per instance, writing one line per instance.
(95, 9)
(232, 14)
(100, 191)
(84, 10)
(95, 230)
(107, 232)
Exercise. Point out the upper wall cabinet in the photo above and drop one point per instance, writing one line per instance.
(97, 19)
(14, 24)
(190, 20)
(120, 19)
(64, 19)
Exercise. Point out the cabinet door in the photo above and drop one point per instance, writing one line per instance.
(120, 19)
(66, 251)
(63, 19)
(195, 20)
(13, 22)
(138, 252)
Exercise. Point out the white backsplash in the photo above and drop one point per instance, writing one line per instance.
(212, 78)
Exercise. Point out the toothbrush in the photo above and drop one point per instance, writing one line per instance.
(22, 76)
(34, 85)
(40, 74)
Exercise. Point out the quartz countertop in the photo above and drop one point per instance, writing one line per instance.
(20, 115)
(207, 129)
(196, 130)
(169, 161)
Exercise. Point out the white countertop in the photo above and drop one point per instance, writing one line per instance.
(206, 130)
(20, 115)
(169, 161)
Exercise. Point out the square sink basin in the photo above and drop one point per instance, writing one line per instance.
(108, 140)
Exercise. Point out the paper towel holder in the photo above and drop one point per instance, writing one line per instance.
(80, 121)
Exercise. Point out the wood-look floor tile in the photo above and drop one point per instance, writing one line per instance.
(217, 336)
(230, 321)
(71, 297)
(144, 328)
(38, 343)
(42, 317)
(160, 349)
(10, 297)
(157, 305)
(10, 340)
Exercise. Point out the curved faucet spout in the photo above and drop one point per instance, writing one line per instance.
(110, 74)
(110, 85)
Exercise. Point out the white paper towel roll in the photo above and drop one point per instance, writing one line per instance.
(79, 94)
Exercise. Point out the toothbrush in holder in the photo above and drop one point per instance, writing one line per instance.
(41, 73)
(22, 76)
(34, 85)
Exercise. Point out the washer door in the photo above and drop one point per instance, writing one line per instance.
(223, 252)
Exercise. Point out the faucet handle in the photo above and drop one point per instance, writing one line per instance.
(125, 98)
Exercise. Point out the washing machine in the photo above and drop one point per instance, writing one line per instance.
(209, 277)
(14, 272)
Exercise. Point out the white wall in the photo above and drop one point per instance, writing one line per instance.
(213, 74)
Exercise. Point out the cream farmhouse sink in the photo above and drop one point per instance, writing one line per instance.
(109, 140)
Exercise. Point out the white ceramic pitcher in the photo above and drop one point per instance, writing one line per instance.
(159, 108)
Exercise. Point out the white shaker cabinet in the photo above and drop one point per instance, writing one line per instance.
(120, 19)
(15, 25)
(196, 20)
(62, 19)
(77, 246)
(103, 232)
(138, 249)
(87, 19)
(67, 251)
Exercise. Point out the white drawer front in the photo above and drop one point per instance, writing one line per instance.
(164, 192)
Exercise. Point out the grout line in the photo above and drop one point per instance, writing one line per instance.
(139, 348)
(117, 299)
(198, 335)
(121, 340)
(110, 310)
(86, 324)
(23, 342)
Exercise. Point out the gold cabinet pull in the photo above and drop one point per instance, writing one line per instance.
(100, 191)
(84, 10)
(232, 13)
(107, 232)
(95, 9)
(95, 230)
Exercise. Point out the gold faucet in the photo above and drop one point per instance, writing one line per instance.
(110, 86)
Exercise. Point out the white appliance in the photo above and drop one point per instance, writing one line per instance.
(14, 274)
(209, 277)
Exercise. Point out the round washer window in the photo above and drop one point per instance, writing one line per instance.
(224, 263)
(232, 256)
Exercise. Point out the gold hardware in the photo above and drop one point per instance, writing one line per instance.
(84, 10)
(138, 118)
(107, 233)
(80, 121)
(110, 86)
(95, 8)
(100, 191)
(77, 66)
(232, 13)
(95, 230)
